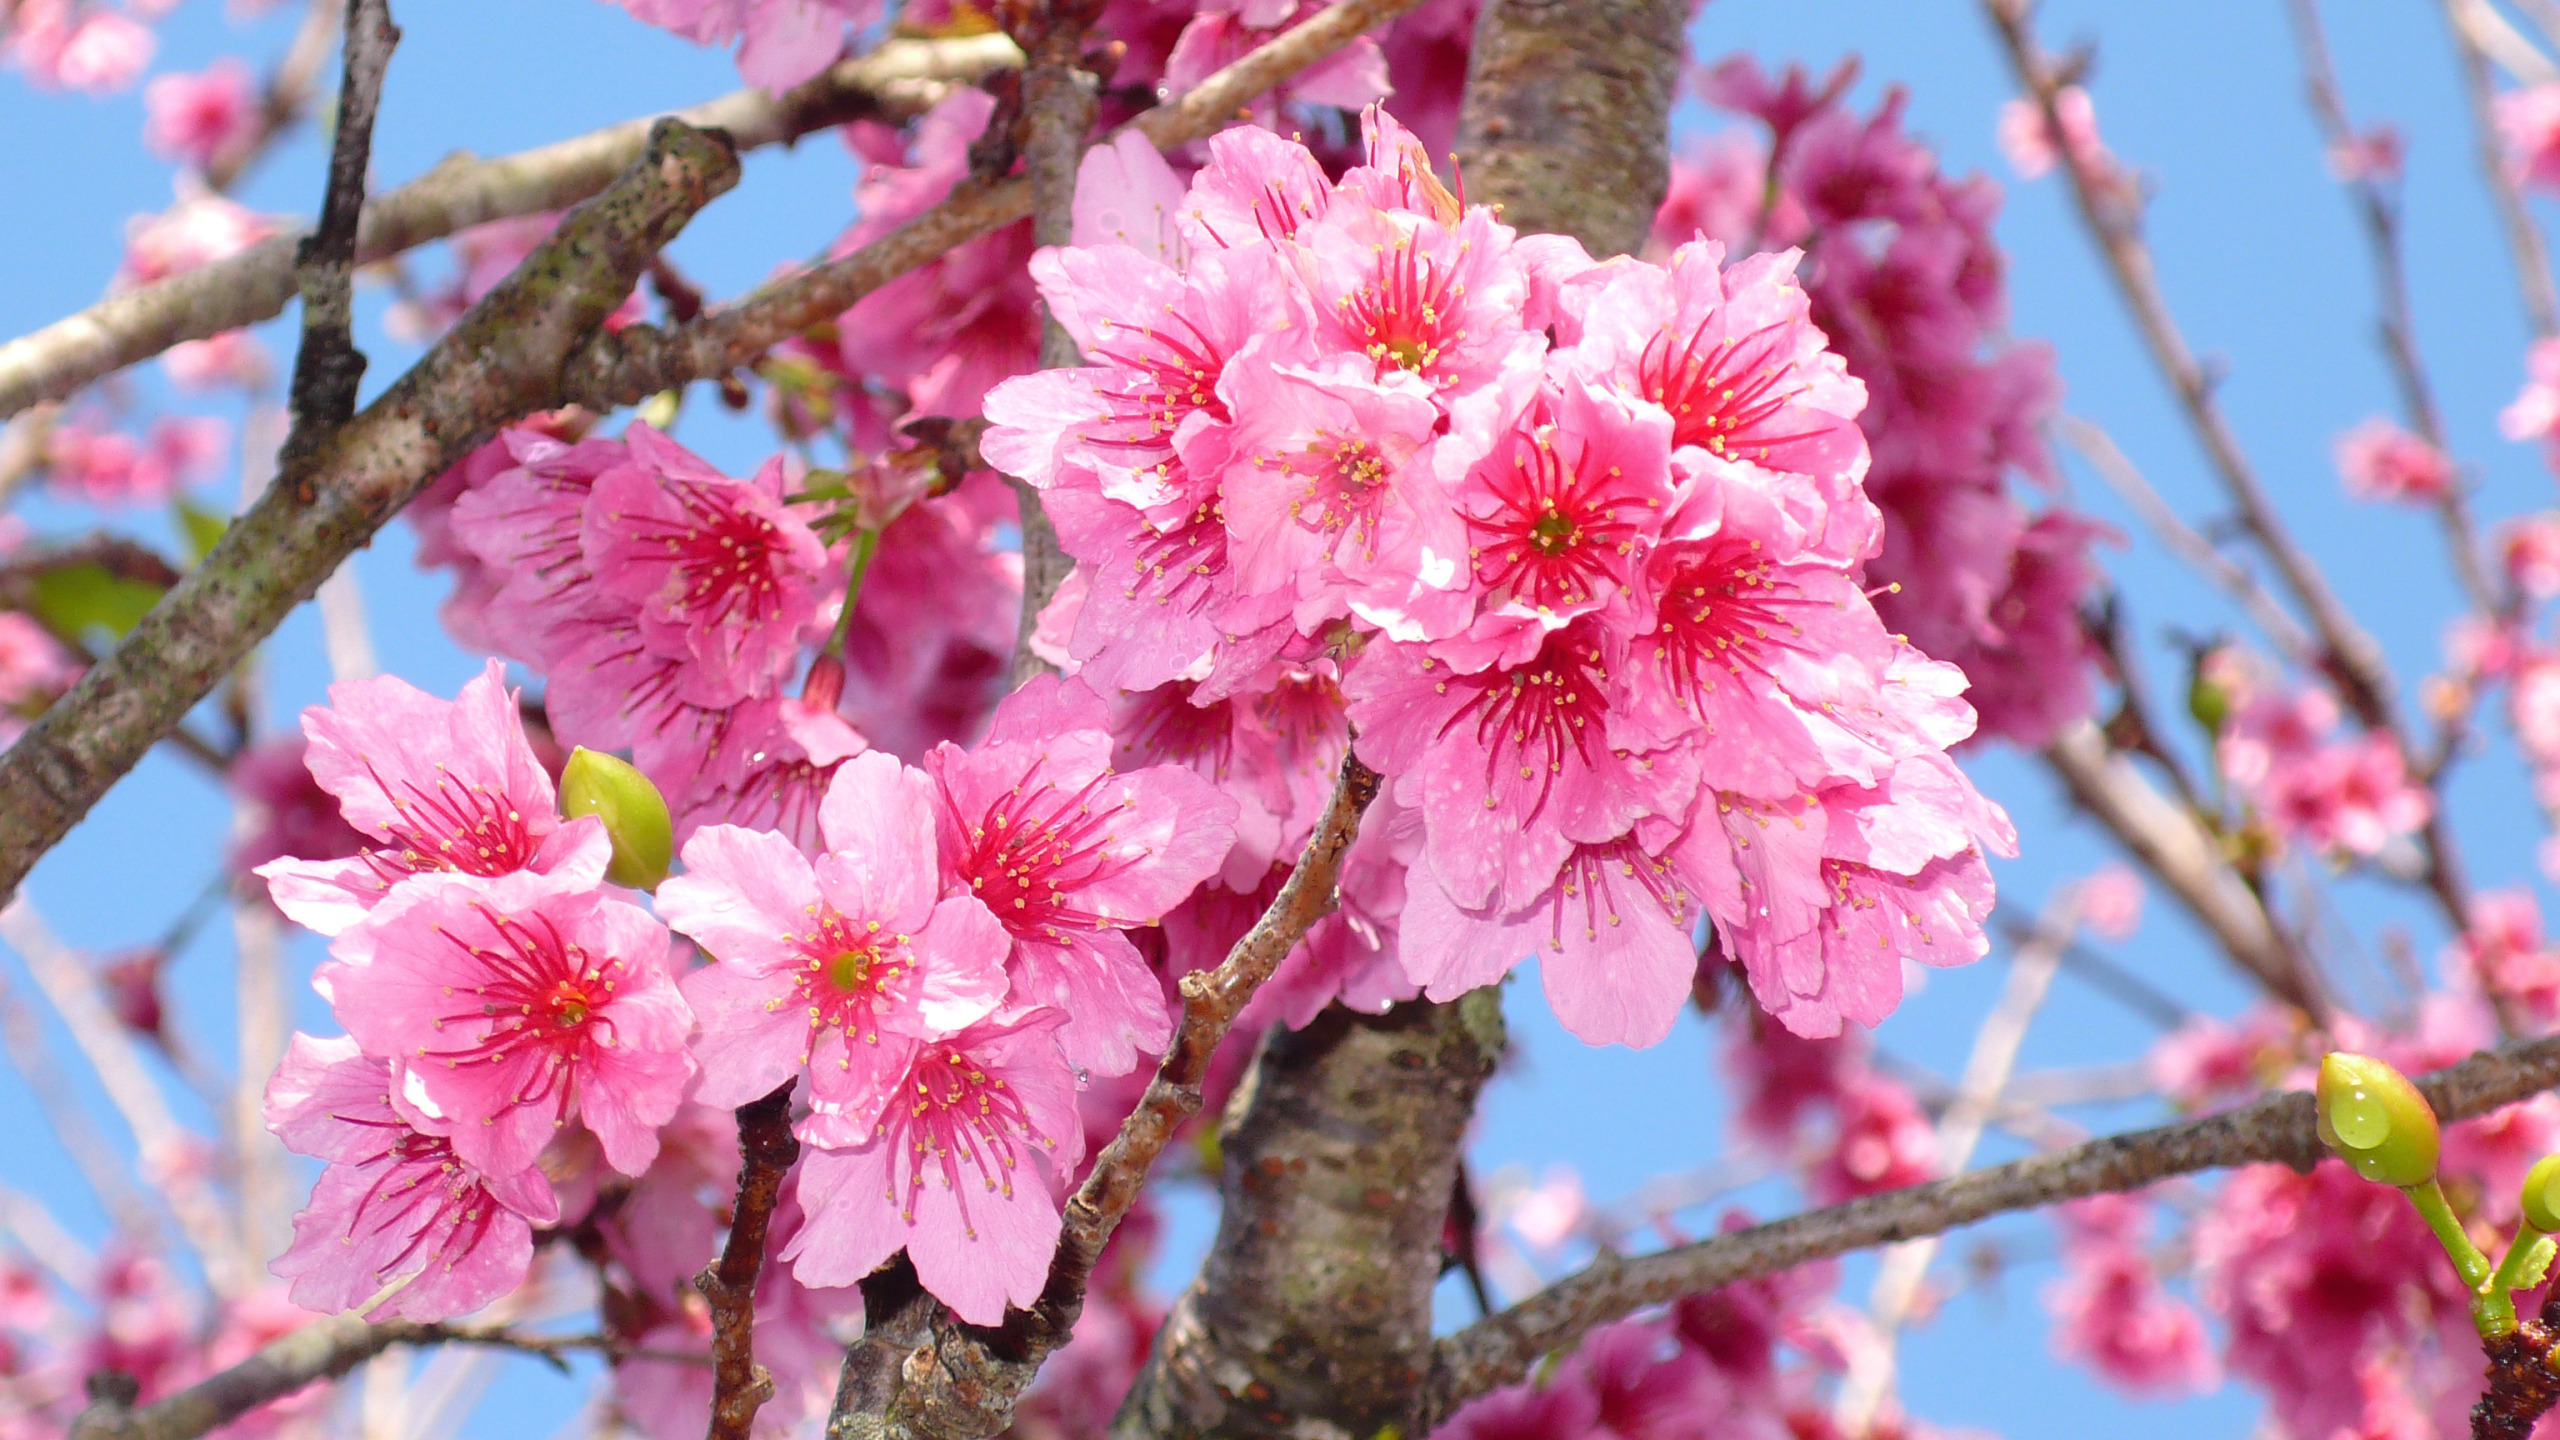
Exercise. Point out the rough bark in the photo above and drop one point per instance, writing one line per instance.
(766, 1152)
(1566, 122)
(1312, 1317)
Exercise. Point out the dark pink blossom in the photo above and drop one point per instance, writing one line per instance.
(517, 1004)
(2111, 1312)
(397, 1206)
(2529, 127)
(841, 968)
(196, 117)
(780, 42)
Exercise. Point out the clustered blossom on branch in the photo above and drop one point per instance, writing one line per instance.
(1580, 541)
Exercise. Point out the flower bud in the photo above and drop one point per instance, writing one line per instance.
(633, 812)
(2376, 1121)
(2542, 1195)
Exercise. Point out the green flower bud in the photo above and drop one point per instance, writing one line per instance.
(2542, 1195)
(633, 811)
(2376, 1121)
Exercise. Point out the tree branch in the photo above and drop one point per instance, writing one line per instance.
(641, 360)
(2279, 1129)
(2524, 238)
(503, 360)
(766, 1152)
(964, 1383)
(328, 367)
(901, 78)
(323, 1350)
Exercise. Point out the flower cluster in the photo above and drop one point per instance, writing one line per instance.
(2349, 796)
(1579, 543)
(1905, 279)
(493, 990)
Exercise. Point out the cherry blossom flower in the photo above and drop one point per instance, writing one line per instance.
(1068, 853)
(96, 49)
(819, 965)
(2503, 954)
(2535, 412)
(2529, 551)
(516, 1005)
(441, 785)
(397, 1206)
(196, 117)
(2529, 127)
(2111, 1312)
(200, 228)
(781, 42)
(2381, 461)
(960, 1172)
(2026, 134)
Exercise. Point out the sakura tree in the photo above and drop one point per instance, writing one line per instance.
(1261, 520)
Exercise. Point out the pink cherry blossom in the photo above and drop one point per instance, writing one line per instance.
(441, 785)
(2535, 412)
(782, 42)
(2529, 551)
(960, 1172)
(397, 1205)
(2529, 126)
(521, 517)
(199, 229)
(1409, 292)
(2381, 461)
(840, 968)
(1225, 31)
(2026, 135)
(2111, 1311)
(232, 359)
(1068, 853)
(2503, 954)
(196, 117)
(100, 52)
(1884, 1142)
(517, 1004)
(721, 575)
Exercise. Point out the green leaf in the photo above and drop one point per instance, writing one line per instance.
(202, 528)
(78, 599)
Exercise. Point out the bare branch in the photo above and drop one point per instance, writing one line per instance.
(2169, 842)
(641, 360)
(324, 1350)
(2524, 238)
(964, 1385)
(901, 78)
(2277, 1129)
(766, 1151)
(328, 367)
(2377, 205)
(503, 360)
(284, 100)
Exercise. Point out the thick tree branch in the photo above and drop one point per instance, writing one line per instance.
(900, 79)
(328, 367)
(2278, 1129)
(503, 360)
(641, 360)
(964, 1384)
(766, 1152)
(1559, 127)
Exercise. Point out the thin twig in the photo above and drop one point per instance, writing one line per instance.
(284, 100)
(2277, 1129)
(2377, 204)
(766, 1152)
(501, 361)
(900, 79)
(1978, 1093)
(965, 1383)
(328, 366)
(2348, 655)
(2524, 238)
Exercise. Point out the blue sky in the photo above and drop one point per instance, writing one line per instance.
(2257, 253)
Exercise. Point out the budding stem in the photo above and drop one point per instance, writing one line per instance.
(2428, 1196)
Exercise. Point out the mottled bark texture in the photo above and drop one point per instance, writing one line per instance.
(503, 360)
(1566, 125)
(1312, 1317)
(328, 366)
